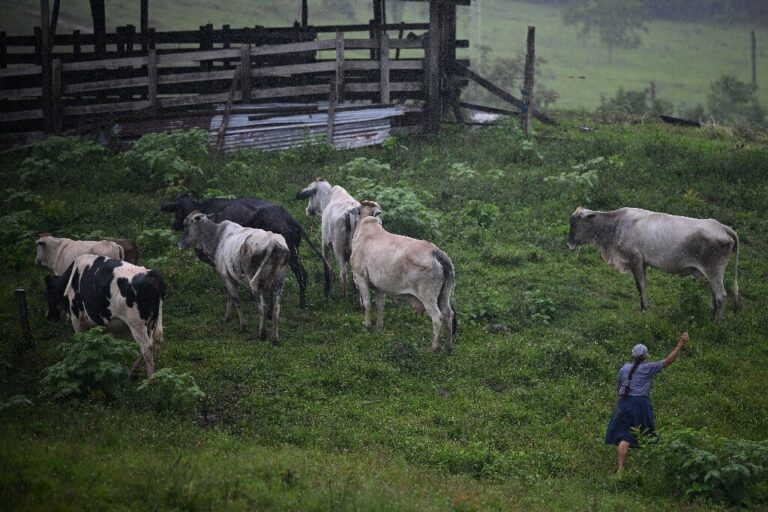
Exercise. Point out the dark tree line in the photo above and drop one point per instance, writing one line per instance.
(716, 11)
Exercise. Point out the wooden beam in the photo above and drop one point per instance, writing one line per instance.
(45, 61)
(530, 59)
(152, 78)
(99, 25)
(340, 65)
(384, 66)
(304, 14)
(144, 24)
(432, 71)
(245, 72)
(56, 111)
(54, 20)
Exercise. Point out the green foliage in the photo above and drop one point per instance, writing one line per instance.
(58, 161)
(403, 212)
(628, 105)
(365, 167)
(735, 102)
(13, 403)
(170, 161)
(477, 213)
(465, 181)
(156, 241)
(539, 308)
(168, 391)
(708, 468)
(616, 21)
(18, 235)
(92, 366)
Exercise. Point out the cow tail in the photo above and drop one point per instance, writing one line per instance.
(350, 223)
(120, 251)
(155, 321)
(254, 281)
(735, 238)
(326, 267)
(449, 281)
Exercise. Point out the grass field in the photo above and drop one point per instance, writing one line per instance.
(683, 59)
(340, 418)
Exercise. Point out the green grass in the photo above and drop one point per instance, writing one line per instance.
(682, 59)
(371, 420)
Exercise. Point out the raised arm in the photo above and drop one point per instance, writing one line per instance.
(673, 355)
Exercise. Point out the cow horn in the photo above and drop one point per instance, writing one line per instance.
(305, 193)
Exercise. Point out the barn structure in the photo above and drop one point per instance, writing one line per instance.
(250, 86)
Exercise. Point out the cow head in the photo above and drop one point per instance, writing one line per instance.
(368, 209)
(54, 295)
(181, 207)
(582, 227)
(317, 192)
(191, 236)
(45, 245)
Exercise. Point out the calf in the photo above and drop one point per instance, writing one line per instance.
(99, 291)
(249, 256)
(631, 239)
(130, 249)
(339, 213)
(58, 254)
(253, 213)
(414, 270)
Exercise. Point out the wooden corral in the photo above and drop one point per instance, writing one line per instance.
(63, 82)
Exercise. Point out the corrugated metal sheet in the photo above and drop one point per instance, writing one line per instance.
(352, 128)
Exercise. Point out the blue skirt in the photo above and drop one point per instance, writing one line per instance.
(630, 412)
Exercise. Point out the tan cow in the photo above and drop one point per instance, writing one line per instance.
(58, 253)
(404, 268)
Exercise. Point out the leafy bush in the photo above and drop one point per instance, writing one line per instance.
(464, 181)
(628, 105)
(714, 469)
(582, 179)
(60, 161)
(539, 308)
(93, 365)
(477, 213)
(172, 161)
(365, 167)
(168, 391)
(403, 212)
(13, 403)
(734, 102)
(18, 235)
(156, 241)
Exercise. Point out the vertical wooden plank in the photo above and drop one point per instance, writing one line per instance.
(77, 46)
(45, 61)
(144, 24)
(21, 303)
(754, 58)
(152, 78)
(3, 51)
(245, 71)
(432, 70)
(340, 66)
(99, 25)
(304, 14)
(400, 34)
(226, 38)
(331, 112)
(56, 106)
(384, 66)
(151, 37)
(54, 23)
(530, 58)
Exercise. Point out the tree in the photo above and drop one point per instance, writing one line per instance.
(616, 21)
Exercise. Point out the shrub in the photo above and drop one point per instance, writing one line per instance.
(93, 365)
(403, 212)
(156, 241)
(734, 102)
(365, 167)
(463, 180)
(168, 391)
(171, 161)
(628, 105)
(713, 469)
(60, 161)
(13, 403)
(538, 308)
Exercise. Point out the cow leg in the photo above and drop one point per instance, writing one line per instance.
(365, 295)
(437, 323)
(277, 294)
(447, 313)
(339, 251)
(719, 294)
(263, 311)
(638, 271)
(135, 367)
(380, 298)
(233, 289)
(294, 262)
(146, 347)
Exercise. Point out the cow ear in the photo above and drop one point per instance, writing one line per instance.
(41, 244)
(169, 207)
(305, 193)
(377, 212)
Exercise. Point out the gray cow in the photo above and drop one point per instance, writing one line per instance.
(250, 256)
(631, 239)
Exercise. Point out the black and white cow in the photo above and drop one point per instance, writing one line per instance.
(631, 239)
(253, 213)
(95, 290)
(249, 256)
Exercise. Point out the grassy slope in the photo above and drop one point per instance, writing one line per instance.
(681, 58)
(371, 420)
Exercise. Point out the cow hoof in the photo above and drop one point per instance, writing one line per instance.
(448, 351)
(262, 336)
(275, 343)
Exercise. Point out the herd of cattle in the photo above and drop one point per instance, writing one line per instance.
(253, 242)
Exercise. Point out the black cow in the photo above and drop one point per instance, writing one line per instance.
(96, 290)
(252, 212)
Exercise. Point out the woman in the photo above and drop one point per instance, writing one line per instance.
(633, 408)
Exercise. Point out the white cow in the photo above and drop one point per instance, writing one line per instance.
(249, 256)
(58, 253)
(338, 212)
(95, 290)
(631, 239)
(404, 268)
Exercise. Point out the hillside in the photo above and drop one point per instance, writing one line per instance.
(681, 58)
(340, 418)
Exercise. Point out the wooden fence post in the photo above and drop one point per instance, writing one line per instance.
(3, 51)
(144, 24)
(340, 66)
(152, 78)
(530, 57)
(432, 76)
(45, 61)
(26, 332)
(245, 71)
(56, 90)
(384, 66)
(331, 112)
(754, 58)
(225, 43)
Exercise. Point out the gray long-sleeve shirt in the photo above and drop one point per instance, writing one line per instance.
(641, 380)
